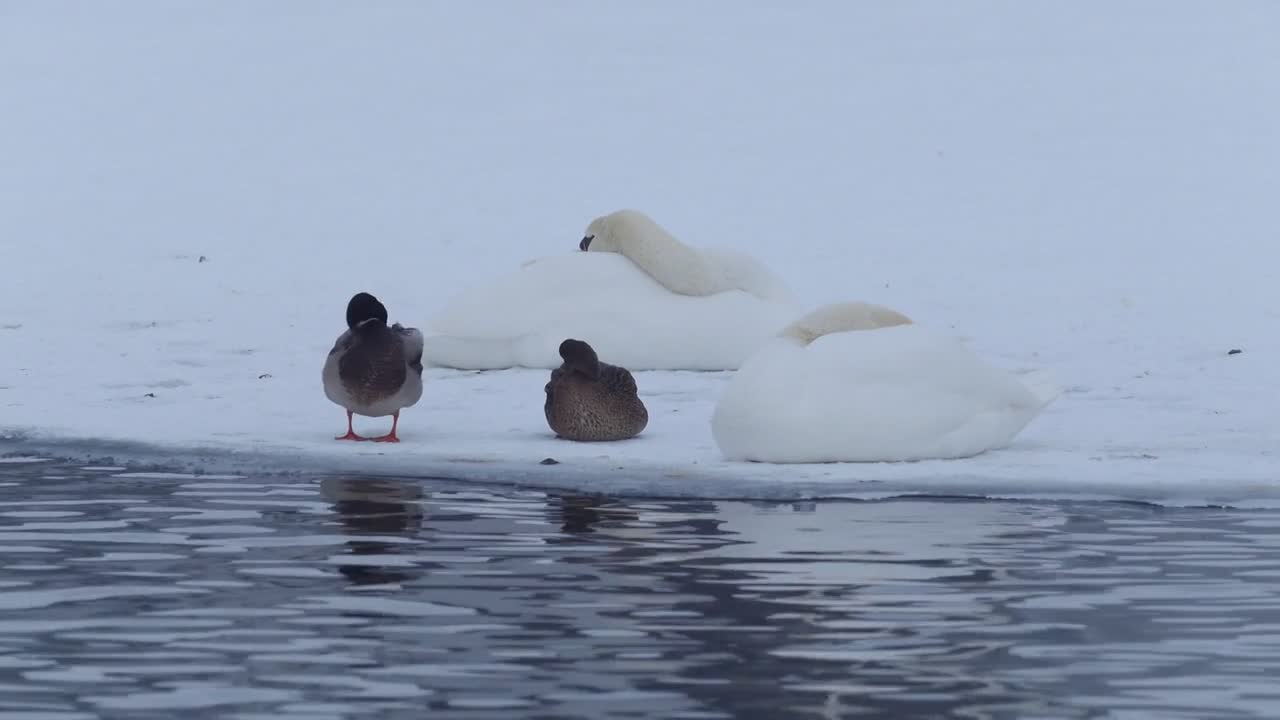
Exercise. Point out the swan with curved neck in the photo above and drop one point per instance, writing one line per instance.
(634, 235)
(842, 317)
(641, 297)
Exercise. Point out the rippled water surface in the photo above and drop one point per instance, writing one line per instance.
(133, 595)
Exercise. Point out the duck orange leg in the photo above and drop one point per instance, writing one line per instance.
(351, 432)
(391, 436)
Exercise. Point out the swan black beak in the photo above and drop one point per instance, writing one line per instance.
(586, 242)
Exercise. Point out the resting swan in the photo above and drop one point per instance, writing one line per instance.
(637, 295)
(855, 382)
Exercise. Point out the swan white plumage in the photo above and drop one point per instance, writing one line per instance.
(638, 295)
(682, 269)
(855, 382)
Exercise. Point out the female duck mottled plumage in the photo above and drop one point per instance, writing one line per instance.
(589, 400)
(373, 369)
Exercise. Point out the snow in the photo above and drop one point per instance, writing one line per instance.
(889, 394)
(521, 318)
(1088, 189)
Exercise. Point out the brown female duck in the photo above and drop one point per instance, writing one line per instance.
(589, 400)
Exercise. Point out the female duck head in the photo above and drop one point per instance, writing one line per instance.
(365, 309)
(580, 356)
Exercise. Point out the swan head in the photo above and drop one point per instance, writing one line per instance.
(580, 356)
(615, 231)
(842, 317)
(363, 308)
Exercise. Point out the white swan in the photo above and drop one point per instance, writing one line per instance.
(638, 296)
(855, 382)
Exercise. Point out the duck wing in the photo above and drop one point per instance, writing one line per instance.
(617, 379)
(374, 365)
(412, 343)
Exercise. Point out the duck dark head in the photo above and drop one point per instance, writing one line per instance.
(364, 307)
(586, 242)
(580, 357)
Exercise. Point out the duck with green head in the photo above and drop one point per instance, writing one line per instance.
(374, 369)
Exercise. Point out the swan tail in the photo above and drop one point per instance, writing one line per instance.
(1044, 386)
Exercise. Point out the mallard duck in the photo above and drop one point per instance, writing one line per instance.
(373, 370)
(589, 400)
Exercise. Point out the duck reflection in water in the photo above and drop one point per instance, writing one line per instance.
(577, 513)
(580, 514)
(371, 509)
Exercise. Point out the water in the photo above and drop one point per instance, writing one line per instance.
(127, 596)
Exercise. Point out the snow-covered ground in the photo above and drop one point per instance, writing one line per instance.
(190, 192)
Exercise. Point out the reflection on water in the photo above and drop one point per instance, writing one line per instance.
(125, 595)
(368, 509)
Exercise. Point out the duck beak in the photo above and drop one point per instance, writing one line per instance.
(586, 242)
